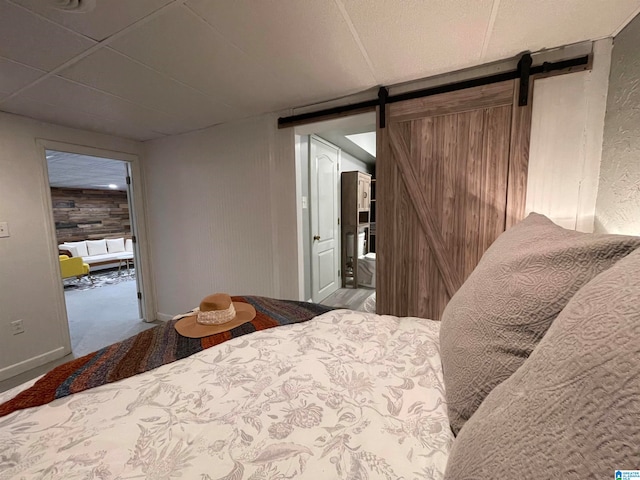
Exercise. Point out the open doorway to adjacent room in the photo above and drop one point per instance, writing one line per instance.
(92, 208)
(335, 162)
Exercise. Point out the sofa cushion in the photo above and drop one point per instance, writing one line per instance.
(80, 248)
(73, 251)
(97, 247)
(492, 324)
(107, 257)
(128, 245)
(572, 409)
(115, 245)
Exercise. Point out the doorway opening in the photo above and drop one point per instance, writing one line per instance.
(92, 208)
(335, 164)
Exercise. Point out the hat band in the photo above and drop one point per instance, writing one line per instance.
(216, 317)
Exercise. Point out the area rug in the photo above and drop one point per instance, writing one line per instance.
(150, 349)
(100, 279)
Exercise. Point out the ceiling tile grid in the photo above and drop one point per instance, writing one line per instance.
(35, 41)
(183, 46)
(111, 72)
(547, 24)
(411, 39)
(72, 170)
(107, 18)
(307, 43)
(69, 117)
(14, 75)
(61, 93)
(146, 68)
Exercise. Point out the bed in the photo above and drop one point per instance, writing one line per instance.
(532, 373)
(310, 400)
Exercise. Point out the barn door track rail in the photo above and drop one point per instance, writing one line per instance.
(523, 72)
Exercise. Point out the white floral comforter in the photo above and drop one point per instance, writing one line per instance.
(347, 395)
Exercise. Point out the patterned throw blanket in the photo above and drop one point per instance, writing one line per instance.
(150, 349)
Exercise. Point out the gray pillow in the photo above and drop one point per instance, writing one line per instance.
(572, 410)
(493, 323)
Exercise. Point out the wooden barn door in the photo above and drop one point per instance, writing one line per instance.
(451, 176)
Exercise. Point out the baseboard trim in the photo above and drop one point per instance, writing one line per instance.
(164, 317)
(26, 365)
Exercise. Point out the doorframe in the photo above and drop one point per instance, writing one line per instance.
(316, 128)
(137, 215)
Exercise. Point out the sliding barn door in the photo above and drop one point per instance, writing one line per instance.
(451, 176)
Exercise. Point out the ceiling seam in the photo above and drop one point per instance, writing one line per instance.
(173, 79)
(356, 38)
(96, 47)
(626, 22)
(130, 102)
(97, 117)
(53, 22)
(226, 40)
(489, 30)
(39, 70)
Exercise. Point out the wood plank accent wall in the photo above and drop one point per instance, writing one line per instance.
(83, 214)
(452, 172)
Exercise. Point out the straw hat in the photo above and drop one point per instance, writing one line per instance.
(217, 313)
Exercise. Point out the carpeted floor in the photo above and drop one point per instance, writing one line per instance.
(103, 313)
(99, 315)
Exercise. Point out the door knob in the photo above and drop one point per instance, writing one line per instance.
(316, 237)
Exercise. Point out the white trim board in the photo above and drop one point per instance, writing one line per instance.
(30, 363)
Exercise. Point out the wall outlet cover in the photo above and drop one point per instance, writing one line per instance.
(17, 327)
(4, 229)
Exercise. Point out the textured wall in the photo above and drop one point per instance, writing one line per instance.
(90, 214)
(566, 143)
(618, 203)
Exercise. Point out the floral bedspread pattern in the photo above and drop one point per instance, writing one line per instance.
(347, 395)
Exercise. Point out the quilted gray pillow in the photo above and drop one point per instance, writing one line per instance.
(492, 324)
(573, 409)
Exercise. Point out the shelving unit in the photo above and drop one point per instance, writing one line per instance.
(372, 219)
(356, 214)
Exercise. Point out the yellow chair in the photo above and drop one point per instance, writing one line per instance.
(73, 267)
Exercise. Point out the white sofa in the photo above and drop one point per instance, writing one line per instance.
(101, 253)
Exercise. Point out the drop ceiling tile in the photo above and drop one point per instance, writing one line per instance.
(60, 92)
(542, 24)
(36, 42)
(411, 39)
(72, 118)
(107, 18)
(183, 46)
(114, 73)
(14, 76)
(307, 44)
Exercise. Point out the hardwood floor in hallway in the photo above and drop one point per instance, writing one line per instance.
(351, 298)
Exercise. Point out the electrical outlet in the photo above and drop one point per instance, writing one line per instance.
(17, 327)
(4, 229)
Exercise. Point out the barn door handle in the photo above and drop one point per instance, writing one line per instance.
(316, 237)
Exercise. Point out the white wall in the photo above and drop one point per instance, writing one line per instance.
(566, 143)
(349, 163)
(29, 279)
(618, 205)
(222, 213)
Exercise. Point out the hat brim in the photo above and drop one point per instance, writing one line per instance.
(189, 326)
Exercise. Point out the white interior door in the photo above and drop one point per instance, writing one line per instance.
(325, 233)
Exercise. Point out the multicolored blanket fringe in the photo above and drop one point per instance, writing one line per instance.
(150, 349)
